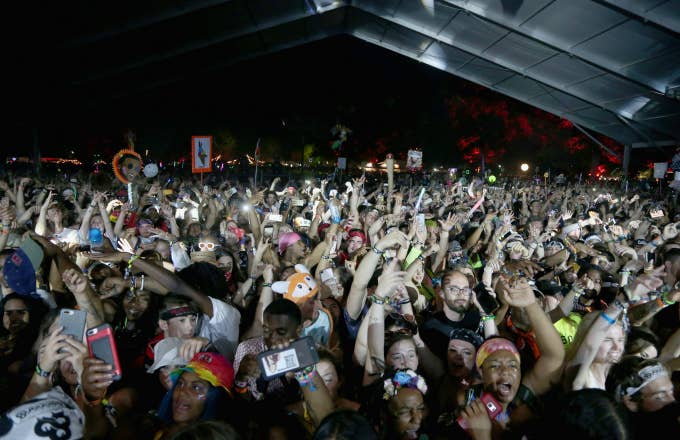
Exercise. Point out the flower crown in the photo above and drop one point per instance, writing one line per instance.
(403, 379)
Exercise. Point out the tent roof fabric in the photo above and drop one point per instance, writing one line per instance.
(611, 66)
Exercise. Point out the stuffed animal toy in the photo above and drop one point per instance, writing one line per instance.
(299, 287)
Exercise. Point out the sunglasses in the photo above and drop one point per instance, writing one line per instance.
(207, 246)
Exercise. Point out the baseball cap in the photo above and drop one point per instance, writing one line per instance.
(165, 353)
(211, 367)
(20, 267)
(288, 239)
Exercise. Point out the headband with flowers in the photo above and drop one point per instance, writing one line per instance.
(403, 379)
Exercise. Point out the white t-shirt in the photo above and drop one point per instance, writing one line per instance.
(320, 330)
(51, 414)
(222, 329)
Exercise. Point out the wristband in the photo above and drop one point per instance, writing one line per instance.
(578, 291)
(607, 318)
(40, 372)
(378, 251)
(131, 260)
(486, 318)
(377, 300)
(665, 300)
(266, 284)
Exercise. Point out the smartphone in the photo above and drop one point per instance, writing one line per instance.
(304, 223)
(493, 406)
(656, 213)
(278, 218)
(420, 220)
(102, 345)
(488, 302)
(268, 231)
(73, 323)
(298, 355)
(333, 248)
(506, 235)
(493, 409)
(649, 257)
(327, 274)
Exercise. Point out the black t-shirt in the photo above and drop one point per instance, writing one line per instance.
(436, 330)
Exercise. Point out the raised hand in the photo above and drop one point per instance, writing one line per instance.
(75, 281)
(450, 222)
(394, 238)
(390, 280)
(112, 286)
(96, 378)
(51, 351)
(125, 246)
(518, 293)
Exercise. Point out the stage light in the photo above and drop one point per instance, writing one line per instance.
(524, 167)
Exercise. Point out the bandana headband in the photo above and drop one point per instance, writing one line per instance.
(493, 345)
(178, 311)
(648, 375)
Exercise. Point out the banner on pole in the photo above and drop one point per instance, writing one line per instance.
(201, 154)
(660, 170)
(414, 160)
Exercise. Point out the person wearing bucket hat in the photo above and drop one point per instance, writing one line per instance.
(167, 358)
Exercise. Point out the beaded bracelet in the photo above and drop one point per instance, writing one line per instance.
(377, 300)
(131, 260)
(306, 377)
(40, 372)
(578, 291)
(619, 304)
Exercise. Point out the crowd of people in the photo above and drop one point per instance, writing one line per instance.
(330, 309)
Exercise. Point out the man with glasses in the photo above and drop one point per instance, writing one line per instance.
(458, 312)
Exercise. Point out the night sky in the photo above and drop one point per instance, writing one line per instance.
(289, 99)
